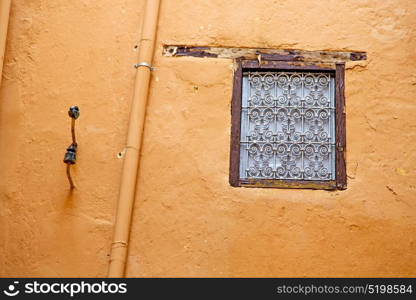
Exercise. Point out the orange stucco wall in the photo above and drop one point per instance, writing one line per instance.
(187, 220)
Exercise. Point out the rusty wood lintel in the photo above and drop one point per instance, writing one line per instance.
(264, 54)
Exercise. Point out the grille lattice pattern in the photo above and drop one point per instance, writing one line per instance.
(288, 126)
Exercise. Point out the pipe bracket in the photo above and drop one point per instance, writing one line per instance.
(144, 64)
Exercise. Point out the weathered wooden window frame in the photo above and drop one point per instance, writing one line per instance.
(338, 69)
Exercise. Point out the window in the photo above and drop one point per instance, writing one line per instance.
(288, 126)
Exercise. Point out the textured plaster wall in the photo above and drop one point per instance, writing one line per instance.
(187, 220)
(63, 53)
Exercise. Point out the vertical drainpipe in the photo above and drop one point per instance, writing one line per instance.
(125, 204)
(4, 22)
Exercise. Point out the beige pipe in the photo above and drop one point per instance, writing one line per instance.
(4, 23)
(119, 246)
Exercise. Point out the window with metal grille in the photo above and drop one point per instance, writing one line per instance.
(288, 126)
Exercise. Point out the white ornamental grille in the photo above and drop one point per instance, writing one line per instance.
(288, 126)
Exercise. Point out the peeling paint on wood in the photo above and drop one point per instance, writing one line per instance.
(235, 126)
(288, 65)
(289, 184)
(264, 53)
(340, 127)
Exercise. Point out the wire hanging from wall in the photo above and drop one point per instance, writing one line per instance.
(70, 155)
